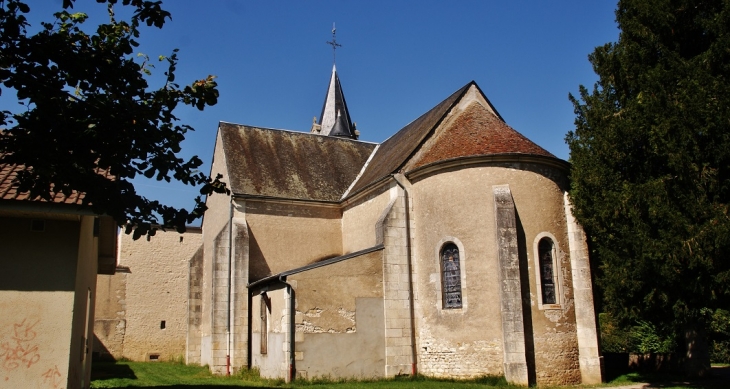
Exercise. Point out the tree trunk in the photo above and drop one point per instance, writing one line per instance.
(696, 352)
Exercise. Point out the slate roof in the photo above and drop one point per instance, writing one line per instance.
(293, 165)
(335, 117)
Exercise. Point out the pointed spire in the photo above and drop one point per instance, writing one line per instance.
(335, 118)
(340, 128)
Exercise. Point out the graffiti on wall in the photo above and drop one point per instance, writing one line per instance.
(52, 377)
(19, 350)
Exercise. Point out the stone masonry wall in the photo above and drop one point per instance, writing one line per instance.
(239, 295)
(399, 357)
(110, 315)
(515, 364)
(219, 322)
(145, 304)
(556, 357)
(195, 302)
(585, 317)
(230, 275)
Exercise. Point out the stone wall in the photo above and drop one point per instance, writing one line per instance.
(585, 316)
(143, 309)
(274, 362)
(457, 342)
(195, 303)
(215, 223)
(397, 292)
(276, 227)
(110, 323)
(359, 219)
(458, 207)
(339, 311)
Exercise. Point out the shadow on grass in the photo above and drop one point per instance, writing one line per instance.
(125, 374)
(719, 378)
(203, 387)
(109, 370)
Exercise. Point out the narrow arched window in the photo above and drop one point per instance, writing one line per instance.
(451, 276)
(547, 273)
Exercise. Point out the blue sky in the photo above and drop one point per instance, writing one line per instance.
(398, 59)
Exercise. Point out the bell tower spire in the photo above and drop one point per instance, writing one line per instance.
(335, 117)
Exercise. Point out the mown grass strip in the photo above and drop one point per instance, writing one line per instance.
(179, 376)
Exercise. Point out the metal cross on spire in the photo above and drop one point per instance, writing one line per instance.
(334, 43)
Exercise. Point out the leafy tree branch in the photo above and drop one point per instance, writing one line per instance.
(90, 122)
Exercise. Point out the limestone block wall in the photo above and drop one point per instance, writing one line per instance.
(458, 207)
(110, 321)
(215, 352)
(590, 365)
(224, 346)
(195, 307)
(148, 299)
(359, 219)
(551, 331)
(214, 224)
(339, 311)
(461, 342)
(513, 326)
(285, 236)
(239, 295)
(397, 299)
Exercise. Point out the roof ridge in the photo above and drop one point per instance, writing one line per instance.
(461, 92)
(395, 151)
(296, 132)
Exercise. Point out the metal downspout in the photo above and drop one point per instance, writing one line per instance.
(292, 329)
(230, 280)
(398, 177)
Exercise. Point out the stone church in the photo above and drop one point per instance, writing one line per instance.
(448, 250)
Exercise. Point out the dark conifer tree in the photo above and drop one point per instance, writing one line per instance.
(651, 167)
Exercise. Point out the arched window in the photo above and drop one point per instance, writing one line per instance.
(451, 276)
(547, 273)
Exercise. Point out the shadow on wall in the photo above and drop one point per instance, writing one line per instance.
(101, 353)
(258, 268)
(526, 304)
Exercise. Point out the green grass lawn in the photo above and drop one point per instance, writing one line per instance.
(175, 375)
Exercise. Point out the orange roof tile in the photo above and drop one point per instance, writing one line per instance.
(475, 131)
(9, 189)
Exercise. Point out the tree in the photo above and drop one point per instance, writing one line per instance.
(651, 168)
(90, 121)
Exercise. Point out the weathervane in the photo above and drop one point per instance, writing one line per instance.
(334, 43)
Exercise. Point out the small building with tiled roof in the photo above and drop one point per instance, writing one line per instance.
(448, 250)
(50, 253)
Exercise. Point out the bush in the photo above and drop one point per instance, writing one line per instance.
(614, 339)
(646, 339)
(642, 338)
(720, 336)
